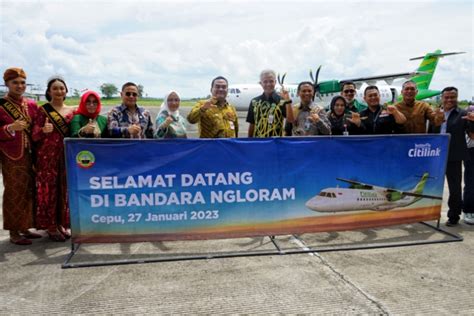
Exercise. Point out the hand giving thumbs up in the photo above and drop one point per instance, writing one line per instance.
(48, 127)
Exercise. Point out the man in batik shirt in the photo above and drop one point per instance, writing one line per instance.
(267, 112)
(216, 118)
(129, 120)
(17, 115)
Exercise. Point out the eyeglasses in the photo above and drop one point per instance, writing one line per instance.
(349, 91)
(92, 103)
(131, 94)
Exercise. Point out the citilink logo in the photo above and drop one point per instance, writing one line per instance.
(424, 150)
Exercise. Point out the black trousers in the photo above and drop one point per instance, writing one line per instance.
(469, 183)
(454, 178)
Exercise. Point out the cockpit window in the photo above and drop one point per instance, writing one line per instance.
(327, 194)
(237, 90)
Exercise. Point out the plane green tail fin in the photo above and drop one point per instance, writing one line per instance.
(421, 185)
(428, 67)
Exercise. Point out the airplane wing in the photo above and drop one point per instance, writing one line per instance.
(361, 185)
(357, 184)
(422, 195)
(387, 78)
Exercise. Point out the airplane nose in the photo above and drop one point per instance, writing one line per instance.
(311, 204)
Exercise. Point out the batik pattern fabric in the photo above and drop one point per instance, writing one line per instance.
(219, 121)
(52, 207)
(304, 127)
(17, 170)
(120, 118)
(18, 194)
(268, 115)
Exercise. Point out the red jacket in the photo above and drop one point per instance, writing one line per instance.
(13, 146)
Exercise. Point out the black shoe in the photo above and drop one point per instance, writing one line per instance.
(452, 222)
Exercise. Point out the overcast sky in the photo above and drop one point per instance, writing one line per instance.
(182, 45)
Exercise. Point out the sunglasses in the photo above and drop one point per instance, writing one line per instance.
(131, 94)
(349, 91)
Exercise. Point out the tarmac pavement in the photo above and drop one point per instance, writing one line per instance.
(423, 280)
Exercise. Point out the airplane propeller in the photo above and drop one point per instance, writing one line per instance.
(281, 80)
(315, 81)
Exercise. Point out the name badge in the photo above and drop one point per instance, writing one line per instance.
(384, 114)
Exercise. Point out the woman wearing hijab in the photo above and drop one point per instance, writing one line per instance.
(342, 124)
(169, 123)
(87, 122)
(50, 129)
(17, 116)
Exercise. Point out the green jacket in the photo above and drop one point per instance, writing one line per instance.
(358, 105)
(79, 120)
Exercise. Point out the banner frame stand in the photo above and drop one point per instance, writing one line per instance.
(277, 251)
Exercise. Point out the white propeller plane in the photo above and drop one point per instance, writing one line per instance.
(362, 196)
(240, 95)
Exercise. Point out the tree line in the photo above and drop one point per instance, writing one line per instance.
(108, 90)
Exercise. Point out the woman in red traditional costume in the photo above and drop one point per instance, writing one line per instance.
(17, 115)
(51, 126)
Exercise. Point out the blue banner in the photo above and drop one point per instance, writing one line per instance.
(143, 190)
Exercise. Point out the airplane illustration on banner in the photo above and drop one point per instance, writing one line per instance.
(362, 196)
(240, 95)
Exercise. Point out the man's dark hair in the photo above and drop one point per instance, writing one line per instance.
(448, 89)
(347, 83)
(370, 88)
(407, 82)
(218, 78)
(129, 84)
(304, 83)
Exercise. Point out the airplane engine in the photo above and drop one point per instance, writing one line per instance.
(393, 196)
